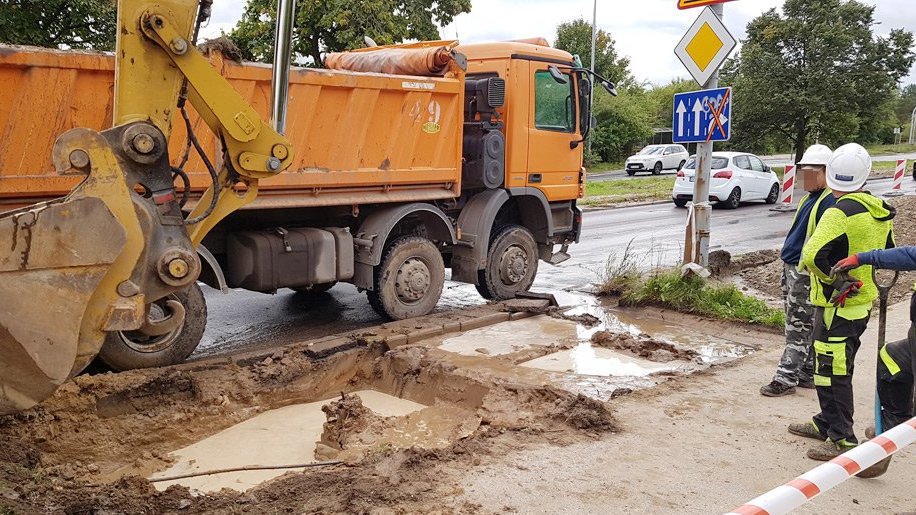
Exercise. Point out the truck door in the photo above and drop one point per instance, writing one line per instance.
(553, 167)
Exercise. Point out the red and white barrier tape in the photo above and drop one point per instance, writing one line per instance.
(808, 486)
(898, 174)
(788, 184)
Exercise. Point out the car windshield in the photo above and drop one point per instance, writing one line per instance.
(717, 163)
(648, 151)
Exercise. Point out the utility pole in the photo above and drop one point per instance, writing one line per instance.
(701, 206)
(591, 98)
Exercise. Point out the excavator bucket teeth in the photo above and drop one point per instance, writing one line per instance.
(50, 268)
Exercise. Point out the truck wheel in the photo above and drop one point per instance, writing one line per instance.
(315, 289)
(126, 350)
(409, 280)
(512, 263)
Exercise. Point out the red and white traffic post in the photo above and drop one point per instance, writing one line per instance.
(788, 185)
(898, 174)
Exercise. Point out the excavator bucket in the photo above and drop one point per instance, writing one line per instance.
(55, 263)
(75, 268)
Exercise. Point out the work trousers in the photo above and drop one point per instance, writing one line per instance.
(896, 371)
(837, 333)
(797, 362)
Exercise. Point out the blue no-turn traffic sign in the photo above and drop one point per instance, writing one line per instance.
(701, 116)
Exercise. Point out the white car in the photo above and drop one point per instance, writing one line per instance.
(736, 177)
(656, 158)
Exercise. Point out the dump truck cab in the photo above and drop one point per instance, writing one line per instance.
(543, 118)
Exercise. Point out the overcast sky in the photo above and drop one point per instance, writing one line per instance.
(645, 30)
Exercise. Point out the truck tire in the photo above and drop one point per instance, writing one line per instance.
(315, 289)
(409, 280)
(512, 264)
(127, 350)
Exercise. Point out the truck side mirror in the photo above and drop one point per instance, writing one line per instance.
(610, 88)
(557, 75)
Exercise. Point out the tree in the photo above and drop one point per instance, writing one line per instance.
(336, 25)
(816, 72)
(623, 122)
(576, 38)
(904, 105)
(82, 24)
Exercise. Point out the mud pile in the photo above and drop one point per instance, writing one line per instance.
(644, 347)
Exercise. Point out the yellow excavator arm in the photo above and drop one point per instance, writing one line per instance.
(75, 268)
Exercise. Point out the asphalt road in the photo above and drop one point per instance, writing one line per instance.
(780, 160)
(244, 320)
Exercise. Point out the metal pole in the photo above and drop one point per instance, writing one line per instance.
(702, 208)
(591, 98)
(912, 125)
(279, 85)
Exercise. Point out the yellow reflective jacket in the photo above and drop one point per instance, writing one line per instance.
(858, 222)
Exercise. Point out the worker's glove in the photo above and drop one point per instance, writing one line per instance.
(846, 264)
(844, 286)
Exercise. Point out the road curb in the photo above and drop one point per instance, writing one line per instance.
(624, 206)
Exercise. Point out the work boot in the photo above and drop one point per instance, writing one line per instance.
(808, 430)
(878, 469)
(776, 389)
(830, 450)
(807, 384)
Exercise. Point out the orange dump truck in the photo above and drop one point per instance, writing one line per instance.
(474, 165)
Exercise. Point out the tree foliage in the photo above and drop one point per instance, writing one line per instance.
(816, 72)
(576, 38)
(336, 25)
(81, 24)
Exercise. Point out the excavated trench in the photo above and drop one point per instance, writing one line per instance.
(397, 406)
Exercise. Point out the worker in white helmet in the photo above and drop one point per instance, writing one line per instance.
(796, 367)
(859, 222)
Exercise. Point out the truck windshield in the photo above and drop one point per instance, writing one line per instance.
(554, 105)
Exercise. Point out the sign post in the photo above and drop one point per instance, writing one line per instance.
(702, 50)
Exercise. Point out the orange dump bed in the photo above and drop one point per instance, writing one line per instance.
(359, 137)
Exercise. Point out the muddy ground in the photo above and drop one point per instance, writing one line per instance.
(766, 278)
(89, 448)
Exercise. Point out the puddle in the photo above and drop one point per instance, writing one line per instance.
(510, 337)
(283, 436)
(589, 361)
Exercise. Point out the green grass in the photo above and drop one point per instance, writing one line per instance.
(692, 294)
(877, 150)
(634, 189)
(605, 167)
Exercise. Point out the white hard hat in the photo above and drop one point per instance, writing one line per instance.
(817, 155)
(848, 168)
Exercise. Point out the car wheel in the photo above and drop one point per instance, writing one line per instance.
(657, 169)
(631, 173)
(774, 195)
(733, 200)
(680, 202)
(681, 165)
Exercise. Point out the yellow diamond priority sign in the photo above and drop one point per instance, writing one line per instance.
(705, 46)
